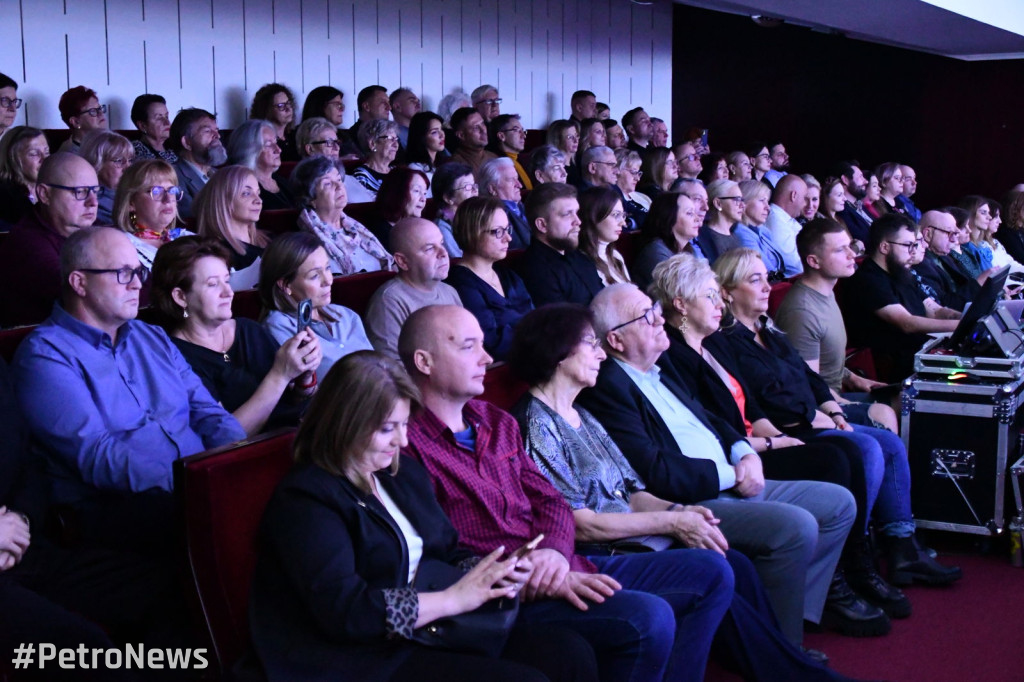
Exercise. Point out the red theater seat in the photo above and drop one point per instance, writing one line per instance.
(247, 304)
(10, 338)
(354, 291)
(629, 244)
(365, 212)
(501, 387)
(778, 292)
(222, 494)
(280, 221)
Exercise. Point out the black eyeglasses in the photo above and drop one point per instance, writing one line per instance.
(650, 316)
(738, 200)
(330, 144)
(8, 103)
(79, 193)
(501, 232)
(125, 275)
(948, 233)
(158, 192)
(491, 102)
(911, 246)
(95, 112)
(281, 106)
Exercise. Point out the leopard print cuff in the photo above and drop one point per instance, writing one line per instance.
(467, 564)
(402, 606)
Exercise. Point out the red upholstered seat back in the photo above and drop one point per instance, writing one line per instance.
(280, 221)
(502, 388)
(10, 338)
(247, 304)
(354, 291)
(628, 245)
(222, 494)
(778, 292)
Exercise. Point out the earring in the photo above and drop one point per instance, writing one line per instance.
(682, 325)
(132, 219)
(184, 313)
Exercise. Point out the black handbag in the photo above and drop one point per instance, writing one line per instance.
(482, 631)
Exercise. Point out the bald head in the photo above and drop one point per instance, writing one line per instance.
(790, 194)
(419, 252)
(61, 210)
(422, 330)
(408, 233)
(939, 230)
(61, 168)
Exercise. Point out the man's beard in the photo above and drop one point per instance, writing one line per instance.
(214, 156)
(858, 192)
(563, 243)
(897, 270)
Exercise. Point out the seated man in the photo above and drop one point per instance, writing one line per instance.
(495, 495)
(793, 530)
(508, 138)
(552, 269)
(787, 203)
(498, 178)
(855, 188)
(583, 104)
(68, 193)
(372, 103)
(689, 161)
(598, 167)
(903, 200)
(889, 314)
(953, 286)
(422, 268)
(659, 132)
(404, 105)
(486, 101)
(196, 140)
(110, 401)
(637, 123)
(780, 163)
(471, 135)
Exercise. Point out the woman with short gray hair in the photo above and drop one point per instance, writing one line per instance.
(379, 139)
(317, 136)
(110, 154)
(547, 164)
(253, 144)
(319, 186)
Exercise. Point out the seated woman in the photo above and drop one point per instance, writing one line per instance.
(714, 167)
(426, 151)
(275, 103)
(556, 352)
(1011, 237)
(146, 207)
(109, 153)
(752, 233)
(739, 165)
(264, 386)
(351, 540)
(227, 210)
(326, 101)
(22, 151)
(873, 197)
(760, 161)
(546, 164)
(890, 180)
(1000, 256)
(564, 135)
(602, 220)
(725, 213)
(671, 227)
(318, 184)
(496, 296)
(379, 138)
(592, 134)
(295, 267)
(812, 199)
(253, 144)
(798, 401)
(659, 170)
(402, 194)
(979, 225)
(636, 203)
(317, 137)
(453, 183)
(81, 111)
(149, 114)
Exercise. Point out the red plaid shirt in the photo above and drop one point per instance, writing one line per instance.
(496, 495)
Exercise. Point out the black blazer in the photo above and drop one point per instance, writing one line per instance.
(952, 285)
(327, 554)
(645, 440)
(686, 366)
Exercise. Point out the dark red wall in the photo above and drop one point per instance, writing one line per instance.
(960, 124)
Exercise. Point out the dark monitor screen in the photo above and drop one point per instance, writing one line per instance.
(984, 304)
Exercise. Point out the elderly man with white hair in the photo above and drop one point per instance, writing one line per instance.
(498, 178)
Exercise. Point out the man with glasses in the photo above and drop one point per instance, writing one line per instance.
(194, 137)
(788, 200)
(689, 161)
(81, 111)
(471, 135)
(9, 102)
(793, 530)
(110, 401)
(780, 163)
(507, 137)
(888, 313)
(953, 286)
(498, 178)
(552, 268)
(909, 189)
(68, 193)
(598, 167)
(486, 101)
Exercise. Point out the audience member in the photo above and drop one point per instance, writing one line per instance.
(453, 183)
(508, 139)
(295, 268)
(636, 203)
(471, 134)
(671, 227)
(452, 102)
(698, 194)
(888, 313)
(275, 104)
(227, 210)
(638, 126)
(615, 136)
(146, 208)
(196, 140)
(22, 151)
(787, 203)
(753, 235)
(603, 111)
(149, 114)
(499, 178)
(873, 197)
(422, 268)
(688, 160)
(780, 163)
(812, 200)
(324, 101)
(110, 154)
(855, 187)
(760, 162)
(713, 167)
(583, 104)
(833, 200)
(67, 194)
(379, 137)
(425, 149)
(254, 144)
(592, 134)
(372, 104)
(793, 530)
(404, 104)
(552, 267)
(318, 184)
(890, 177)
(740, 168)
(109, 400)
(950, 285)
(903, 200)
(1000, 256)
(659, 133)
(660, 170)
(9, 103)
(725, 214)
(598, 168)
(1012, 234)
(494, 294)
(402, 194)
(486, 102)
(547, 164)
(979, 224)
(80, 109)
(565, 136)
(316, 136)
(602, 219)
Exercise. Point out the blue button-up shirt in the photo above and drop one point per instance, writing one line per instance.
(113, 417)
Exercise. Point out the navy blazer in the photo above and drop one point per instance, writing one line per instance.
(645, 439)
(327, 553)
(498, 315)
(553, 277)
(953, 285)
(520, 228)
(190, 182)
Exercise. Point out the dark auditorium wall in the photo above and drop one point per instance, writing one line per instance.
(960, 124)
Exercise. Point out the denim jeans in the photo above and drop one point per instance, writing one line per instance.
(660, 625)
(887, 474)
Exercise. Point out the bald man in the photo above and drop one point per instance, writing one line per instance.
(787, 203)
(422, 268)
(30, 260)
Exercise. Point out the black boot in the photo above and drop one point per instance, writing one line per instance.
(863, 577)
(907, 564)
(848, 614)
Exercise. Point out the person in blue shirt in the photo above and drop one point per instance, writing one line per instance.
(110, 401)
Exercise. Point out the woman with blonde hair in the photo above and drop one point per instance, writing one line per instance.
(110, 154)
(227, 210)
(725, 215)
(146, 207)
(317, 136)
